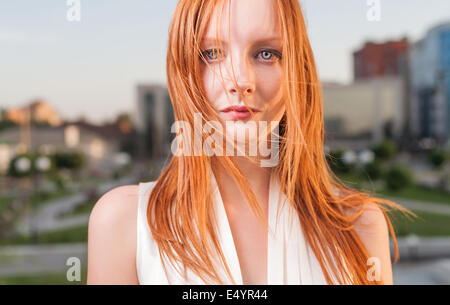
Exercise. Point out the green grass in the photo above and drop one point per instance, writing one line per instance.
(419, 193)
(43, 279)
(4, 202)
(355, 181)
(414, 192)
(426, 224)
(70, 235)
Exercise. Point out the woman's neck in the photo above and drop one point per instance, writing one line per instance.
(257, 176)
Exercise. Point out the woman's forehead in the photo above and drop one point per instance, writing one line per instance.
(255, 20)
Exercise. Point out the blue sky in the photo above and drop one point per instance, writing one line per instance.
(92, 67)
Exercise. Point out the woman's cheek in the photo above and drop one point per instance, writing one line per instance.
(207, 82)
(269, 81)
(212, 87)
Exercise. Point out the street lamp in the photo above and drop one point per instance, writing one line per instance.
(349, 157)
(22, 166)
(121, 160)
(43, 163)
(366, 156)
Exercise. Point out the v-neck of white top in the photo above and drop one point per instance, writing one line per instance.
(290, 260)
(275, 233)
(226, 236)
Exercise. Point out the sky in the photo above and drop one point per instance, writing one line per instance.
(91, 68)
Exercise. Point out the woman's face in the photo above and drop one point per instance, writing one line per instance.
(252, 37)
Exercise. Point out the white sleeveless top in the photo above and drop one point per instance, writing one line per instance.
(289, 259)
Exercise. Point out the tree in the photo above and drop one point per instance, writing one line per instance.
(124, 122)
(437, 157)
(374, 169)
(385, 150)
(68, 160)
(336, 161)
(398, 177)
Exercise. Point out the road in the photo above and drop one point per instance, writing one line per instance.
(423, 206)
(47, 217)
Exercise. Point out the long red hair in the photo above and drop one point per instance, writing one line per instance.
(180, 206)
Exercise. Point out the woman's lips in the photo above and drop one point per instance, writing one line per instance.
(239, 112)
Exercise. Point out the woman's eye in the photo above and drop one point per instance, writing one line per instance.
(211, 54)
(267, 55)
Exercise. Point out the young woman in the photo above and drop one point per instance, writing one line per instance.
(239, 218)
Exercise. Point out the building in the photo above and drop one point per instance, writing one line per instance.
(38, 112)
(16, 115)
(100, 144)
(380, 59)
(363, 113)
(41, 112)
(386, 59)
(154, 120)
(430, 84)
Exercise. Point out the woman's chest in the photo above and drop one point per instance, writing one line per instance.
(251, 244)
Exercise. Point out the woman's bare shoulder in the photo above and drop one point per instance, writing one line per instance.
(370, 220)
(112, 237)
(372, 228)
(116, 204)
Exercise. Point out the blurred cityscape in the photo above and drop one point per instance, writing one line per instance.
(388, 132)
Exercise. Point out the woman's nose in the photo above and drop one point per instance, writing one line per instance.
(245, 89)
(244, 78)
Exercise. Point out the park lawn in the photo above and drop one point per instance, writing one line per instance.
(42, 279)
(426, 224)
(69, 235)
(4, 202)
(414, 192)
(352, 180)
(419, 193)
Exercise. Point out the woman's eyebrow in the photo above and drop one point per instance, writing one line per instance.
(276, 40)
(256, 41)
